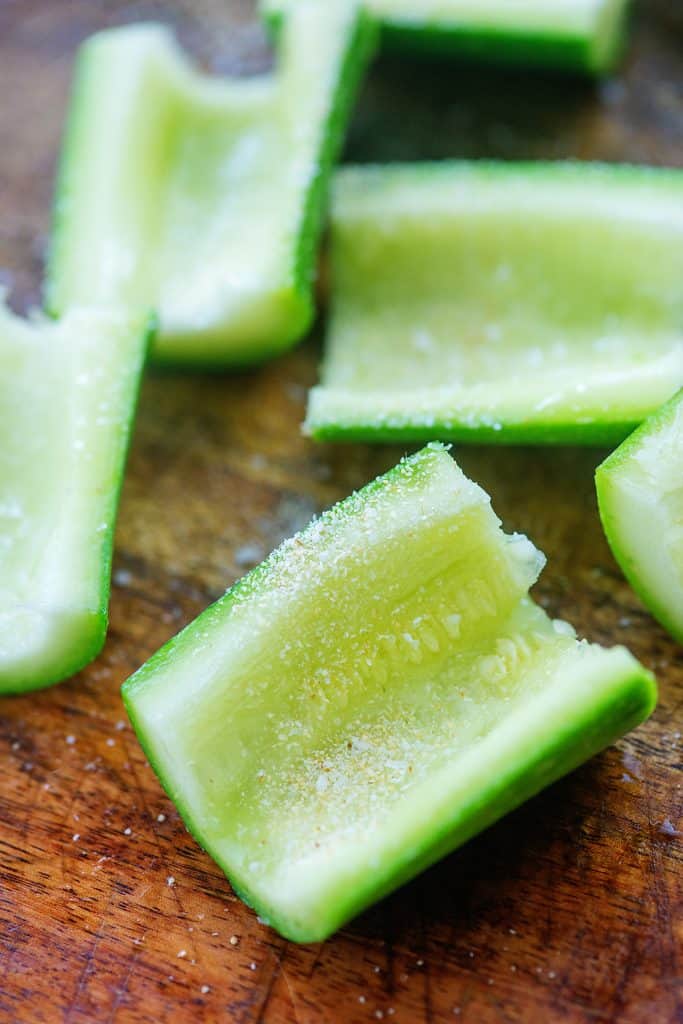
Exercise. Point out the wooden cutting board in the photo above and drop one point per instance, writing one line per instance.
(570, 909)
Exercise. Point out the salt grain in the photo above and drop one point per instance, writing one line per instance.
(170, 881)
(161, 818)
(234, 939)
(204, 989)
(182, 953)
(71, 739)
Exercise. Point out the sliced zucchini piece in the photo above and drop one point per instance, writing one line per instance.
(202, 197)
(537, 303)
(640, 494)
(375, 693)
(68, 397)
(577, 35)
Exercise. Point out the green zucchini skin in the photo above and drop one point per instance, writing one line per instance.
(429, 260)
(599, 435)
(78, 382)
(566, 709)
(142, 217)
(360, 50)
(638, 489)
(594, 48)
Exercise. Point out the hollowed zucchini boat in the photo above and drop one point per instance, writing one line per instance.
(380, 689)
(532, 303)
(202, 197)
(68, 394)
(577, 35)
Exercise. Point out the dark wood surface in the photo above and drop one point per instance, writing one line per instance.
(567, 911)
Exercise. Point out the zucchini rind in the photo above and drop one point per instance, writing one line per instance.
(532, 303)
(202, 197)
(640, 494)
(376, 692)
(68, 397)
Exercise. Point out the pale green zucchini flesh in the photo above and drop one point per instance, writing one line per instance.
(537, 303)
(640, 494)
(202, 197)
(577, 35)
(375, 693)
(68, 393)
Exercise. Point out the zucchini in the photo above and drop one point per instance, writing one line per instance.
(199, 197)
(640, 495)
(68, 397)
(532, 303)
(576, 35)
(380, 689)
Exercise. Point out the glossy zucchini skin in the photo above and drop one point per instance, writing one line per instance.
(279, 744)
(203, 197)
(641, 507)
(589, 38)
(499, 302)
(70, 391)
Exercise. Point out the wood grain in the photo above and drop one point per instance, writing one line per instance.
(567, 911)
